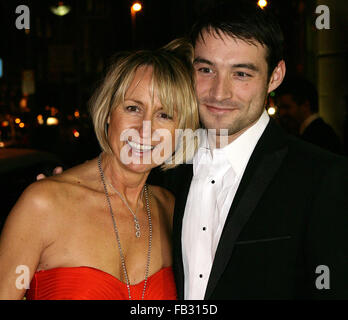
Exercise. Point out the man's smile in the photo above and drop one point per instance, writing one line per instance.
(219, 110)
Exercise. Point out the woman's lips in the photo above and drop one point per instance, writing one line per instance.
(138, 148)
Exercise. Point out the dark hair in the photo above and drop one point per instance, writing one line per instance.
(301, 90)
(244, 21)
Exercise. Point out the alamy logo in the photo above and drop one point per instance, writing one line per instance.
(323, 20)
(322, 281)
(23, 20)
(23, 281)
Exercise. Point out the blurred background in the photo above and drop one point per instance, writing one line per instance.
(49, 70)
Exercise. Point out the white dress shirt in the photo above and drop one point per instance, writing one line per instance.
(216, 177)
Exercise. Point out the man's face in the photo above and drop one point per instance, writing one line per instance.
(231, 82)
(290, 113)
(289, 108)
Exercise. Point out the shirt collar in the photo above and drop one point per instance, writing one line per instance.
(238, 152)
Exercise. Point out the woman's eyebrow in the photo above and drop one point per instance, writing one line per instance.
(134, 100)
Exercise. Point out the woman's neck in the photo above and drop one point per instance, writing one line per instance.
(129, 183)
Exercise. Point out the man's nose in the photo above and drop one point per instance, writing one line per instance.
(221, 88)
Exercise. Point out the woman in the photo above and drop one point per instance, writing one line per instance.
(97, 231)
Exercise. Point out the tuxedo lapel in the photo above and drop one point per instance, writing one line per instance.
(184, 176)
(263, 165)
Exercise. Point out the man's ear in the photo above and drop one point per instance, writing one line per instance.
(277, 76)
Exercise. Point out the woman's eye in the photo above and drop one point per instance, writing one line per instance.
(132, 108)
(165, 116)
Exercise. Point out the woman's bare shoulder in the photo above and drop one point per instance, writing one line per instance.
(52, 192)
(33, 215)
(39, 195)
(83, 175)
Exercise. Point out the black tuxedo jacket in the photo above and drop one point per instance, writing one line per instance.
(321, 134)
(289, 217)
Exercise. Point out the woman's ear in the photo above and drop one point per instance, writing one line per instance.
(277, 76)
(106, 128)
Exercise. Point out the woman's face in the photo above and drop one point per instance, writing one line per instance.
(141, 134)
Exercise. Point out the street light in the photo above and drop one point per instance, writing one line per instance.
(272, 111)
(61, 9)
(52, 121)
(262, 3)
(136, 7)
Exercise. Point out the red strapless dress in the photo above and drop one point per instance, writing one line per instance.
(87, 283)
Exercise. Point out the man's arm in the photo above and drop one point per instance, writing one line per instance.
(327, 237)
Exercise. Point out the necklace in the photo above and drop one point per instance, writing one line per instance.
(136, 221)
(117, 235)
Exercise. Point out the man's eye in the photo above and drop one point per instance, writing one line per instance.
(132, 108)
(242, 74)
(204, 70)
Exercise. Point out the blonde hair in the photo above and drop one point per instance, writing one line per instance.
(173, 82)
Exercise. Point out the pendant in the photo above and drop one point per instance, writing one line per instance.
(137, 228)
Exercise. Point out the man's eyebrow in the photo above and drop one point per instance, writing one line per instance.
(249, 66)
(202, 60)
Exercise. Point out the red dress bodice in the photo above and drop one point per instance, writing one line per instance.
(87, 283)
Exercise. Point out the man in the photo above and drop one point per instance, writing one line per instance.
(298, 109)
(265, 217)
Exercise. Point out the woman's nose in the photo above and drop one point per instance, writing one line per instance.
(145, 130)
